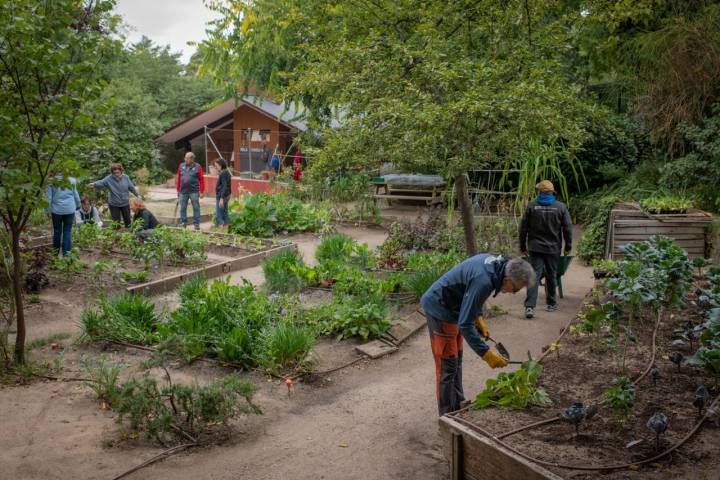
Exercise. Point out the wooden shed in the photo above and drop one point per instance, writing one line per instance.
(628, 223)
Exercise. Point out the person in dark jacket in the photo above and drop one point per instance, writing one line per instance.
(544, 226)
(142, 214)
(119, 187)
(222, 194)
(190, 184)
(453, 307)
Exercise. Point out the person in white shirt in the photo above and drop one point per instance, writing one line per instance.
(87, 213)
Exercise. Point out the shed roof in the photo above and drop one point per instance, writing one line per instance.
(194, 126)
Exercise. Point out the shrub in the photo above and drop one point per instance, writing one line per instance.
(166, 411)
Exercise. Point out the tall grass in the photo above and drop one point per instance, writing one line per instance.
(335, 248)
(124, 318)
(540, 161)
(284, 343)
(285, 272)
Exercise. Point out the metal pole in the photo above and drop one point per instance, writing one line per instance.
(205, 129)
(250, 150)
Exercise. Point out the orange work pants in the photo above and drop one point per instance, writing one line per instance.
(446, 344)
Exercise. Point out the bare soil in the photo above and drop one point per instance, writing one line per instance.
(582, 371)
(374, 420)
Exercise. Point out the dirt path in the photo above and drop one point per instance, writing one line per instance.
(376, 420)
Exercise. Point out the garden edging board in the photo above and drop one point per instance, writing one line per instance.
(167, 284)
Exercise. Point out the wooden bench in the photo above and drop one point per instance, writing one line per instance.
(430, 195)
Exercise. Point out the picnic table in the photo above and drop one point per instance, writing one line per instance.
(427, 188)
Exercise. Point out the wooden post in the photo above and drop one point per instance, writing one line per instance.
(457, 472)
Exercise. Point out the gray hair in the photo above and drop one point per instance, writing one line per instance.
(192, 155)
(520, 271)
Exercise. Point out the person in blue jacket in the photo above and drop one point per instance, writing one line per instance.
(62, 204)
(453, 307)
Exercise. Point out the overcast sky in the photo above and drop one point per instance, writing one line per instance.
(166, 22)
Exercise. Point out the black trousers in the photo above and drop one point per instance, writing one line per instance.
(124, 212)
(446, 344)
(544, 264)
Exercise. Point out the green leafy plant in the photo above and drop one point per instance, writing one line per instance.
(608, 268)
(349, 316)
(136, 277)
(264, 215)
(516, 389)
(68, 264)
(86, 236)
(666, 204)
(286, 272)
(621, 398)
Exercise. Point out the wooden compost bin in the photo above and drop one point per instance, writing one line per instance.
(629, 223)
(473, 456)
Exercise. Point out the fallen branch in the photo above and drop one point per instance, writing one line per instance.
(161, 456)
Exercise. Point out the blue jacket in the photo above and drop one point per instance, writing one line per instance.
(459, 295)
(118, 189)
(63, 201)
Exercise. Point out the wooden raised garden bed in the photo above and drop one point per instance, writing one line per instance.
(628, 223)
(536, 442)
(226, 253)
(216, 269)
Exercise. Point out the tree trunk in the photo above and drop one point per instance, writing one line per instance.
(17, 292)
(466, 214)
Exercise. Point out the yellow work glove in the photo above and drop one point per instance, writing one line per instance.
(494, 360)
(482, 326)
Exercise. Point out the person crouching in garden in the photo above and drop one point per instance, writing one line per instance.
(62, 204)
(119, 188)
(453, 307)
(142, 214)
(87, 214)
(544, 225)
(222, 194)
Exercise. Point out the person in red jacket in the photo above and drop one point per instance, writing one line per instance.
(190, 184)
(297, 166)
